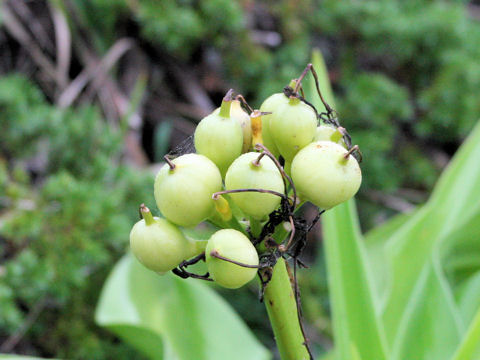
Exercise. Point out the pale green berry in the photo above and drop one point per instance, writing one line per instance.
(219, 137)
(323, 176)
(271, 104)
(233, 245)
(245, 173)
(184, 194)
(292, 127)
(329, 133)
(159, 245)
(243, 119)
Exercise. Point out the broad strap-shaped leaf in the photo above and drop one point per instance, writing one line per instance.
(460, 249)
(375, 245)
(431, 326)
(457, 191)
(166, 317)
(467, 295)
(412, 245)
(358, 332)
(355, 319)
(469, 349)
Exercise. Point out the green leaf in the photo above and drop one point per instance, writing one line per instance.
(323, 82)
(458, 185)
(375, 244)
(412, 245)
(470, 347)
(467, 295)
(430, 327)
(166, 317)
(358, 332)
(354, 307)
(460, 251)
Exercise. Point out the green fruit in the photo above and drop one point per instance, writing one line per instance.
(159, 245)
(184, 194)
(271, 104)
(293, 127)
(323, 176)
(244, 174)
(220, 138)
(233, 245)
(243, 119)
(329, 133)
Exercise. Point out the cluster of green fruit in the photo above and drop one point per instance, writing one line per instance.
(236, 179)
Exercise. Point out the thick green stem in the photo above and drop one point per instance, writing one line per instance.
(287, 167)
(255, 226)
(282, 312)
(231, 224)
(199, 246)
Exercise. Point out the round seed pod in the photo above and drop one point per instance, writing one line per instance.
(323, 176)
(237, 112)
(271, 104)
(329, 133)
(184, 193)
(219, 137)
(159, 245)
(246, 173)
(233, 245)
(293, 127)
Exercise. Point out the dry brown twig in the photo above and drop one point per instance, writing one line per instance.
(16, 29)
(63, 43)
(93, 71)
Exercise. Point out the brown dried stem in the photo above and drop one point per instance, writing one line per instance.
(228, 96)
(215, 195)
(350, 151)
(169, 162)
(216, 254)
(256, 162)
(261, 147)
(284, 248)
(240, 98)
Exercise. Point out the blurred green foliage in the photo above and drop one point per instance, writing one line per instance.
(407, 68)
(61, 236)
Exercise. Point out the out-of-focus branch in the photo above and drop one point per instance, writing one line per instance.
(63, 41)
(95, 70)
(32, 22)
(17, 336)
(18, 32)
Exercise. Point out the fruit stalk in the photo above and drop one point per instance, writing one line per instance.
(226, 104)
(146, 215)
(282, 311)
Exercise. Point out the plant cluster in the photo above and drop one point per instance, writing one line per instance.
(429, 83)
(249, 176)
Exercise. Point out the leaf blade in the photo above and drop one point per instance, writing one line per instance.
(414, 243)
(354, 309)
(186, 317)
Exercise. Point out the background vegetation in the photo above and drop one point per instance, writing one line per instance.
(93, 94)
